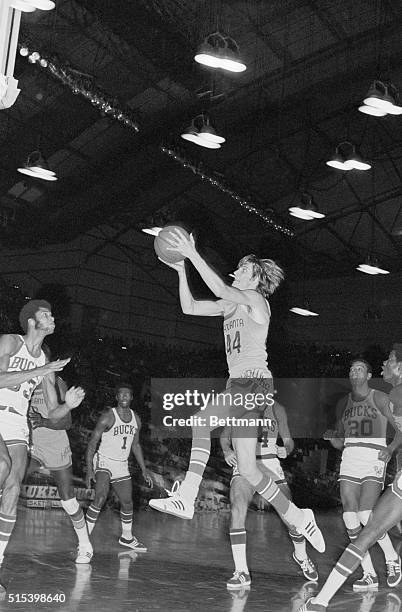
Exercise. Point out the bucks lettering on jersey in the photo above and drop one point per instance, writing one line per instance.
(267, 436)
(363, 422)
(244, 341)
(116, 442)
(18, 397)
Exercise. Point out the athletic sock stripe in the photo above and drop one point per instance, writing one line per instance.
(200, 450)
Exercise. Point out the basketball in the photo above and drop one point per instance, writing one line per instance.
(161, 244)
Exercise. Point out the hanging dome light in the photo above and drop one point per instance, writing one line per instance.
(220, 51)
(37, 167)
(346, 158)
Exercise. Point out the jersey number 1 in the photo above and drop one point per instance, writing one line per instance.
(124, 442)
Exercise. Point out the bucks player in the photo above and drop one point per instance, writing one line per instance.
(118, 431)
(361, 431)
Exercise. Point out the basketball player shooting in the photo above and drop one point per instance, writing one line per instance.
(246, 312)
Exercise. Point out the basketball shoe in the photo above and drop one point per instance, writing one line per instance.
(310, 530)
(393, 569)
(175, 504)
(368, 582)
(133, 543)
(238, 580)
(84, 554)
(308, 568)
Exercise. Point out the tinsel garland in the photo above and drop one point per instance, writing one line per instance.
(81, 85)
(212, 178)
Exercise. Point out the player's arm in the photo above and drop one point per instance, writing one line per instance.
(37, 420)
(337, 436)
(190, 306)
(73, 398)
(283, 428)
(226, 446)
(8, 346)
(137, 452)
(105, 422)
(186, 246)
(381, 400)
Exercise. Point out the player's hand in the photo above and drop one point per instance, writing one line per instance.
(384, 455)
(52, 366)
(74, 397)
(281, 452)
(181, 244)
(89, 478)
(36, 419)
(230, 458)
(329, 435)
(148, 479)
(178, 266)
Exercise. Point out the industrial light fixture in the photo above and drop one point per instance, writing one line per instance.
(37, 167)
(307, 209)
(153, 231)
(202, 133)
(28, 6)
(304, 312)
(381, 99)
(370, 266)
(220, 51)
(347, 158)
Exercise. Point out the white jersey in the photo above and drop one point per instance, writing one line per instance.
(16, 399)
(363, 423)
(116, 442)
(244, 343)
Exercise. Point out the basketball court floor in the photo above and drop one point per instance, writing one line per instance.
(184, 570)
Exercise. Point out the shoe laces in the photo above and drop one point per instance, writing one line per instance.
(175, 488)
(391, 567)
(368, 578)
(307, 565)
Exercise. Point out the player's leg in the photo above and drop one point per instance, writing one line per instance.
(5, 463)
(370, 492)
(301, 519)
(124, 491)
(102, 485)
(300, 555)
(6, 522)
(64, 482)
(181, 502)
(11, 491)
(241, 494)
(386, 513)
(350, 495)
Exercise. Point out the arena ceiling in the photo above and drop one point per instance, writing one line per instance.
(309, 65)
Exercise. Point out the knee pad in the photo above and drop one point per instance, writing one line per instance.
(364, 516)
(71, 506)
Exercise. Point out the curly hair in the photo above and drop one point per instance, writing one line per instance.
(269, 273)
(29, 310)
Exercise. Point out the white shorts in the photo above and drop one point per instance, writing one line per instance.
(267, 464)
(51, 448)
(14, 428)
(361, 464)
(117, 470)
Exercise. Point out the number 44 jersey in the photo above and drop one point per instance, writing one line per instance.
(116, 442)
(244, 341)
(363, 423)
